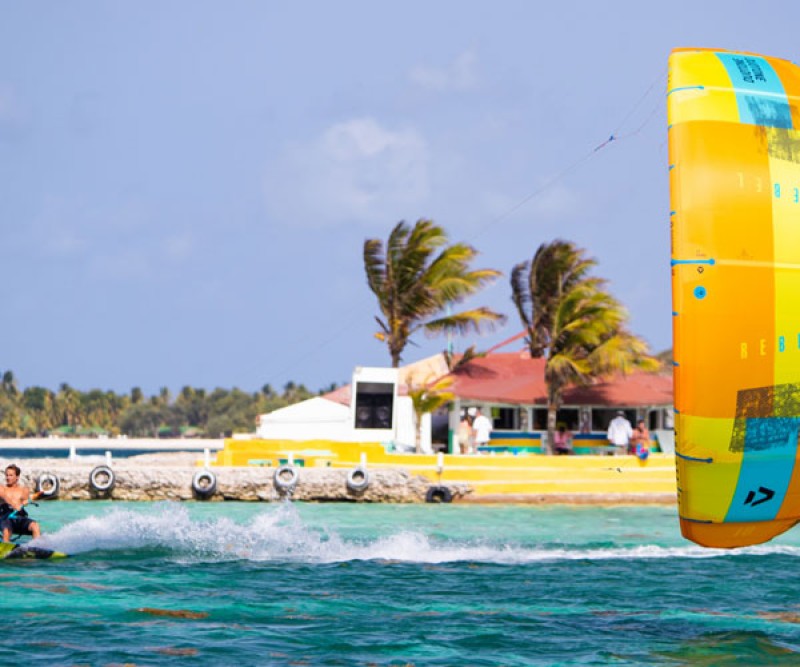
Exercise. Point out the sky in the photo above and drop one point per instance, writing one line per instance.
(186, 186)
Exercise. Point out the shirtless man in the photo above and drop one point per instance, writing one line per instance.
(13, 497)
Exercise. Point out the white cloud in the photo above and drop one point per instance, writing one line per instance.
(460, 74)
(355, 171)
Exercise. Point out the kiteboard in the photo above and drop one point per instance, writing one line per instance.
(14, 551)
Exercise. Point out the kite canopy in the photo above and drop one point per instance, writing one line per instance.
(734, 144)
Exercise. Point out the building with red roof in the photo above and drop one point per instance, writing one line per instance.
(508, 387)
(511, 387)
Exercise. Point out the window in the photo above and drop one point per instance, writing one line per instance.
(374, 404)
(505, 419)
(567, 416)
(601, 417)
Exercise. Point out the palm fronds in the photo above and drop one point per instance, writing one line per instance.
(417, 277)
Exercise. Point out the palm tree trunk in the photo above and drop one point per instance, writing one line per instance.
(552, 410)
(553, 403)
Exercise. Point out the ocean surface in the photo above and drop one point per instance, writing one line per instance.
(339, 584)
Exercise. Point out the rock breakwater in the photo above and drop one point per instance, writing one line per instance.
(172, 477)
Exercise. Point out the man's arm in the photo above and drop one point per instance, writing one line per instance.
(31, 497)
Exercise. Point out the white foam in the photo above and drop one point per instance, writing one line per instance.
(279, 534)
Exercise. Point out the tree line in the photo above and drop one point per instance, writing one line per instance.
(193, 412)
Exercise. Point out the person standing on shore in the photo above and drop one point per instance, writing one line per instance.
(483, 428)
(640, 442)
(620, 433)
(562, 440)
(13, 498)
(464, 434)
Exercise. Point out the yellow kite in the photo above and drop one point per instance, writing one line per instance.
(734, 153)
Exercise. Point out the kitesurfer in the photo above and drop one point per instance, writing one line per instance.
(13, 498)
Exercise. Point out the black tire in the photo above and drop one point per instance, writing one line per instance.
(102, 479)
(204, 484)
(48, 485)
(438, 494)
(358, 479)
(285, 479)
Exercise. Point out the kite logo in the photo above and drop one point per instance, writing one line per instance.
(765, 347)
(750, 70)
(768, 493)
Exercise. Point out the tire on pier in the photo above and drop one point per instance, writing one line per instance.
(438, 494)
(357, 479)
(48, 485)
(102, 480)
(204, 484)
(285, 479)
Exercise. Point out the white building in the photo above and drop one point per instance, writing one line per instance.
(372, 409)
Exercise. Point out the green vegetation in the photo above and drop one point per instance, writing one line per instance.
(37, 411)
(573, 322)
(416, 287)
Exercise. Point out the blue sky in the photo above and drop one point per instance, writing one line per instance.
(187, 185)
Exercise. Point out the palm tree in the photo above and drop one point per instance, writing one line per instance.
(67, 403)
(8, 385)
(573, 322)
(455, 363)
(428, 397)
(537, 288)
(417, 278)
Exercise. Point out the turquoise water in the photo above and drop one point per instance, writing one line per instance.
(339, 584)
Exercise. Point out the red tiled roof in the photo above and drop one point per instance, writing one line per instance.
(515, 378)
(339, 395)
(501, 377)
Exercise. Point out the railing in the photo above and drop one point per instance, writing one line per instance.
(71, 446)
(151, 444)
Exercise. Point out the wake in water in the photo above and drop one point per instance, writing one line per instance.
(280, 534)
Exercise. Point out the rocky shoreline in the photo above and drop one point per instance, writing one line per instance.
(172, 476)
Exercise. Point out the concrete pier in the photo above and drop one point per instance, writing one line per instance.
(169, 477)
